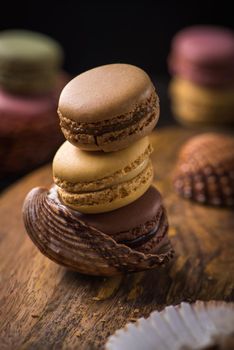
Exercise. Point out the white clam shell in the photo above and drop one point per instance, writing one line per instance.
(185, 326)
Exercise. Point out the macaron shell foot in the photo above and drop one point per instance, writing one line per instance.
(160, 239)
(111, 198)
(117, 137)
(115, 141)
(128, 136)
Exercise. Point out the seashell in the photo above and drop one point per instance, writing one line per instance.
(205, 170)
(57, 232)
(203, 325)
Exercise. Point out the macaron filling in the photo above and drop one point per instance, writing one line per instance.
(119, 122)
(106, 131)
(112, 197)
(122, 175)
(159, 242)
(99, 182)
(135, 243)
(151, 235)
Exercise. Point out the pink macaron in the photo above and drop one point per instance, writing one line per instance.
(204, 55)
(29, 129)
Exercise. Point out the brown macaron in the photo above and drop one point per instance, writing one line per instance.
(108, 107)
(129, 239)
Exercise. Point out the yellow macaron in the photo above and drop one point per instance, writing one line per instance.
(95, 182)
(193, 104)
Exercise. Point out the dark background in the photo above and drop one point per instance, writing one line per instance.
(98, 32)
(93, 33)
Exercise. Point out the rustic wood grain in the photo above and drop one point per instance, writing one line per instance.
(44, 306)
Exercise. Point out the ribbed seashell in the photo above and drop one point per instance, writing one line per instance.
(205, 170)
(203, 325)
(60, 236)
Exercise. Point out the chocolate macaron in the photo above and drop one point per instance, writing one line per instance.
(128, 239)
(141, 225)
(95, 182)
(108, 107)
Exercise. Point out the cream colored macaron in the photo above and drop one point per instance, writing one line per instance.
(95, 182)
(194, 104)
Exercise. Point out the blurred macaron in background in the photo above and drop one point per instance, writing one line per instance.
(34, 37)
(31, 79)
(201, 62)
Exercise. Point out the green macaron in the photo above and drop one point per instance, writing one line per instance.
(29, 61)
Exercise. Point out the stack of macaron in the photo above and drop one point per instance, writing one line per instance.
(202, 64)
(30, 83)
(103, 173)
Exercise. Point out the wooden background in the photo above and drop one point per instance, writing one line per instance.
(44, 306)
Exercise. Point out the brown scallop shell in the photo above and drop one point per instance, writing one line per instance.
(205, 170)
(60, 236)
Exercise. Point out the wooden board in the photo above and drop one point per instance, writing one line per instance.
(44, 306)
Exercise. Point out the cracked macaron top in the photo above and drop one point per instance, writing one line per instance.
(108, 107)
(94, 182)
